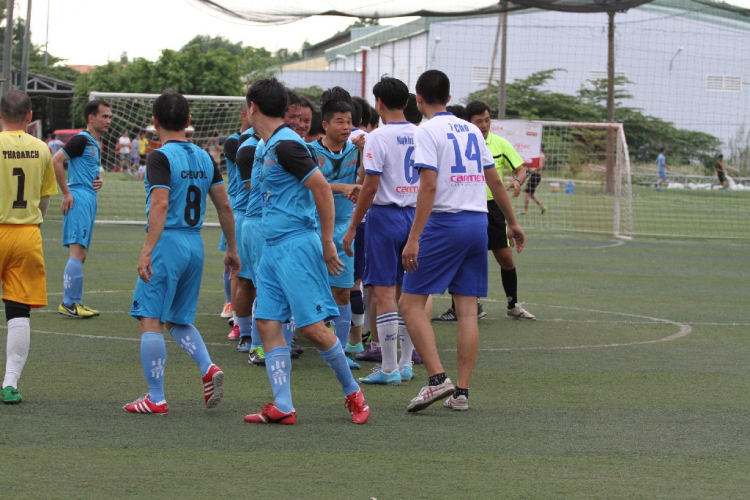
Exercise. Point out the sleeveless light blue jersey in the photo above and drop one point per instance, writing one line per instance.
(338, 168)
(82, 170)
(254, 203)
(191, 176)
(288, 206)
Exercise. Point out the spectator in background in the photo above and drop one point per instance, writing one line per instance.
(123, 150)
(133, 155)
(142, 147)
(54, 144)
(661, 163)
(721, 173)
(212, 147)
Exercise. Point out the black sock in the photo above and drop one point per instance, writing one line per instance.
(453, 304)
(438, 379)
(510, 285)
(461, 392)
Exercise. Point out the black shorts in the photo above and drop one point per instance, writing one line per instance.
(534, 180)
(497, 236)
(359, 252)
(722, 177)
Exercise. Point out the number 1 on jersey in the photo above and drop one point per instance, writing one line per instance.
(19, 202)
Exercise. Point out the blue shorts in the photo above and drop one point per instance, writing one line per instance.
(346, 278)
(252, 247)
(239, 220)
(223, 243)
(662, 173)
(388, 229)
(452, 255)
(172, 293)
(359, 252)
(293, 280)
(78, 225)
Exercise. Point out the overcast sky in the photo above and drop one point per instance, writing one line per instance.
(95, 31)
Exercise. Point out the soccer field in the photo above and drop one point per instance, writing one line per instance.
(632, 384)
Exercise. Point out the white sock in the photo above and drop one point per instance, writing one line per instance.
(388, 333)
(19, 338)
(407, 348)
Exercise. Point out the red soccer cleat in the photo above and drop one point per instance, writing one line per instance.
(269, 414)
(358, 407)
(213, 386)
(144, 405)
(235, 333)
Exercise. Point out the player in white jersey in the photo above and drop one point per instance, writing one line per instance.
(447, 245)
(389, 192)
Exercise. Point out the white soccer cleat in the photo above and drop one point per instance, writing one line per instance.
(519, 312)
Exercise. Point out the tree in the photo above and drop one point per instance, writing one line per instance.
(207, 42)
(527, 99)
(363, 22)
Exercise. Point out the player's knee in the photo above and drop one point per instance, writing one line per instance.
(15, 310)
(340, 295)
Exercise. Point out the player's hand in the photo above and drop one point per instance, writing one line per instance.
(98, 183)
(516, 236)
(144, 267)
(359, 142)
(352, 192)
(331, 257)
(67, 203)
(232, 264)
(409, 256)
(348, 240)
(516, 187)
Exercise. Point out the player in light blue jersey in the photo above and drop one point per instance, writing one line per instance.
(242, 291)
(292, 274)
(178, 178)
(84, 156)
(338, 160)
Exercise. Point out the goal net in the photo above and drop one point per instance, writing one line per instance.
(123, 198)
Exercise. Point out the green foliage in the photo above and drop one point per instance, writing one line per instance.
(207, 42)
(363, 22)
(527, 99)
(313, 93)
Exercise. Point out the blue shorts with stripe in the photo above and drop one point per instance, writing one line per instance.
(172, 293)
(293, 280)
(78, 224)
(346, 278)
(452, 255)
(251, 248)
(387, 230)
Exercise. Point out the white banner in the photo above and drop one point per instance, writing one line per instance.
(524, 135)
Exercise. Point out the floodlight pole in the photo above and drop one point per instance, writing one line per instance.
(611, 153)
(8, 48)
(503, 67)
(26, 47)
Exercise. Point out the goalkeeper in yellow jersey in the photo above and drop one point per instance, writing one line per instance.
(27, 180)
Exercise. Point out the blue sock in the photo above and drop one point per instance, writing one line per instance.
(279, 369)
(288, 330)
(343, 324)
(188, 337)
(153, 359)
(73, 282)
(255, 334)
(227, 288)
(336, 359)
(246, 326)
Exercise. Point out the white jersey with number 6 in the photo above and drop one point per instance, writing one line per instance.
(389, 153)
(456, 150)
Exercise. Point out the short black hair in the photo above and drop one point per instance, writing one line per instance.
(53, 136)
(356, 113)
(335, 94)
(171, 110)
(305, 102)
(411, 112)
(364, 116)
(392, 92)
(270, 96)
(434, 87)
(374, 118)
(662, 149)
(475, 108)
(293, 98)
(332, 107)
(721, 156)
(316, 124)
(14, 106)
(458, 111)
(92, 108)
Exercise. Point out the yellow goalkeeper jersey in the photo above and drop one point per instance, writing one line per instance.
(26, 175)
